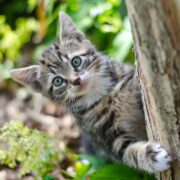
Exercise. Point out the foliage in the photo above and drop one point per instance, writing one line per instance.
(95, 169)
(13, 40)
(35, 151)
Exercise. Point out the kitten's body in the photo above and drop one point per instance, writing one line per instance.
(117, 118)
(116, 115)
(104, 97)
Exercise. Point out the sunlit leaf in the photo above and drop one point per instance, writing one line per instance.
(119, 172)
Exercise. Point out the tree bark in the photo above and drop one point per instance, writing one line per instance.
(156, 32)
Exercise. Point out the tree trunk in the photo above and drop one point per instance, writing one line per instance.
(156, 31)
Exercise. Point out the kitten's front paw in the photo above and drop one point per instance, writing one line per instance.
(159, 157)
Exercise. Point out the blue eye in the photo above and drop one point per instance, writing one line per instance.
(57, 81)
(76, 61)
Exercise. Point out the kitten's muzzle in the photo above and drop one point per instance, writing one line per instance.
(76, 82)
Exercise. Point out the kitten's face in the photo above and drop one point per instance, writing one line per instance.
(70, 69)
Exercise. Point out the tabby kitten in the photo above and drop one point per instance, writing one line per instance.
(102, 95)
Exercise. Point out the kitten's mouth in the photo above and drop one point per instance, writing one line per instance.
(81, 89)
(83, 86)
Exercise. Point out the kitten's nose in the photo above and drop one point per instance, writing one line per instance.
(76, 82)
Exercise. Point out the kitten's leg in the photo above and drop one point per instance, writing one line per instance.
(151, 157)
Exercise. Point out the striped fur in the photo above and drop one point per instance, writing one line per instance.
(109, 109)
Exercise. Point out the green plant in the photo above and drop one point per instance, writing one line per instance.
(12, 40)
(34, 151)
(94, 168)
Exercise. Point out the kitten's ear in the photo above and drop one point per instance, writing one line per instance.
(68, 29)
(28, 76)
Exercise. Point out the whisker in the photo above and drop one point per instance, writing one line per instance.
(95, 61)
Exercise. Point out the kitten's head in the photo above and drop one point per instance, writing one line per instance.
(70, 70)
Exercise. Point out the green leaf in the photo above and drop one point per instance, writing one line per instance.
(119, 172)
(94, 161)
(81, 169)
(122, 43)
(49, 177)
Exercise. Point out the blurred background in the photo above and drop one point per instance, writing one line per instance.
(31, 124)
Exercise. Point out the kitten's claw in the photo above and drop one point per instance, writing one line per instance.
(160, 158)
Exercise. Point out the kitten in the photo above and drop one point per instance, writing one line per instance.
(103, 96)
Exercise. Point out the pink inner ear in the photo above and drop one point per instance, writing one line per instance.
(19, 75)
(27, 76)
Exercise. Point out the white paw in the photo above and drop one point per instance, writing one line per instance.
(160, 158)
